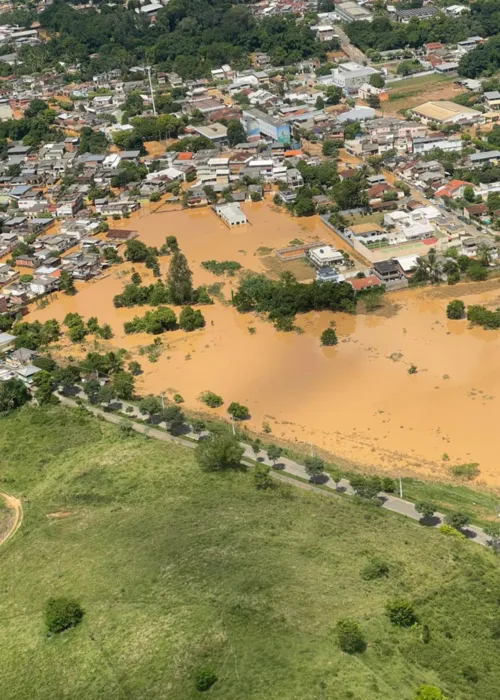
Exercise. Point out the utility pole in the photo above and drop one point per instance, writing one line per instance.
(400, 487)
(232, 425)
(148, 68)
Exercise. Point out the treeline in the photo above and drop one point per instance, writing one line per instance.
(189, 36)
(283, 299)
(384, 35)
(164, 319)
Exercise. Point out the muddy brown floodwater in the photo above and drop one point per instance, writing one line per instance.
(356, 400)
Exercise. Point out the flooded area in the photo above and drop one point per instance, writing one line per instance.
(355, 400)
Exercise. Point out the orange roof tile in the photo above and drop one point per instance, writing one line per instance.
(184, 155)
(289, 154)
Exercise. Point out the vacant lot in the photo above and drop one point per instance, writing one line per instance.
(178, 570)
(415, 91)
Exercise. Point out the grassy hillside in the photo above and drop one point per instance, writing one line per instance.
(178, 570)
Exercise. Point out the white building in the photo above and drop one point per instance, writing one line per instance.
(231, 214)
(325, 256)
(351, 76)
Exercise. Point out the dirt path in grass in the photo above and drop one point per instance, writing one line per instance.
(14, 518)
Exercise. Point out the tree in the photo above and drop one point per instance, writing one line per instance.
(44, 384)
(377, 80)
(67, 376)
(455, 309)
(218, 452)
(425, 508)
(493, 532)
(106, 394)
(123, 383)
(179, 280)
(190, 320)
(134, 368)
(457, 520)
(330, 147)
(173, 417)
(13, 394)
(350, 637)
(367, 486)
(62, 613)
(315, 466)
(91, 389)
(320, 103)
(211, 400)
(333, 94)
(238, 411)
(428, 692)
(329, 337)
(469, 195)
(401, 612)
(351, 129)
(66, 283)
(235, 132)
(274, 453)
(262, 477)
(374, 101)
(150, 405)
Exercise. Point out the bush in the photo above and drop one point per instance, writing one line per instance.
(428, 692)
(190, 320)
(457, 520)
(238, 411)
(376, 568)
(204, 679)
(451, 532)
(329, 337)
(350, 637)
(211, 400)
(262, 477)
(388, 485)
(224, 267)
(62, 613)
(455, 309)
(466, 471)
(470, 674)
(219, 452)
(401, 612)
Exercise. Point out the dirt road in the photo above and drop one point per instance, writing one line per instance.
(16, 516)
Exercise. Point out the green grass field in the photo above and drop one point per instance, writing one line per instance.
(178, 569)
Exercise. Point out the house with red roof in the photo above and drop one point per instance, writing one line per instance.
(454, 189)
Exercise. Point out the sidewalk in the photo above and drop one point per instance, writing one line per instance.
(284, 466)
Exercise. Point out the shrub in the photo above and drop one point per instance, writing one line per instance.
(329, 337)
(211, 400)
(401, 612)
(204, 679)
(62, 613)
(428, 692)
(451, 532)
(376, 568)
(388, 485)
(466, 471)
(455, 309)
(426, 634)
(262, 477)
(238, 411)
(470, 674)
(367, 486)
(225, 267)
(350, 637)
(314, 466)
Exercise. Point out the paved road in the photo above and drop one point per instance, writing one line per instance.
(283, 467)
